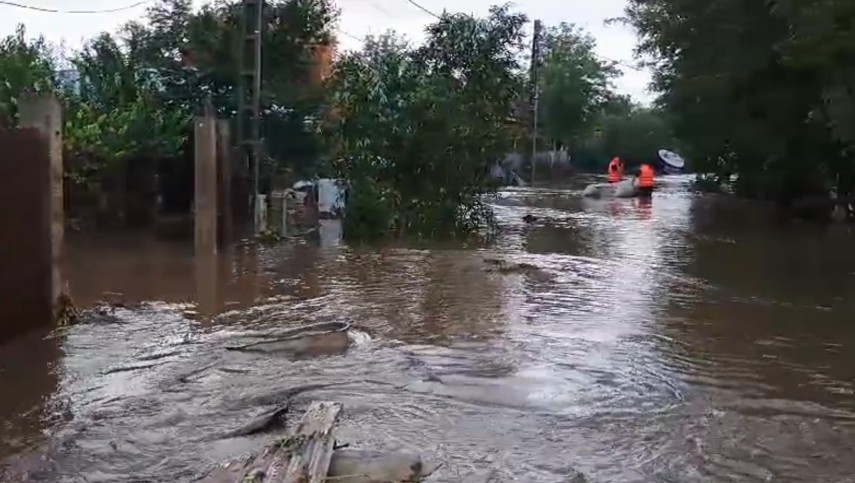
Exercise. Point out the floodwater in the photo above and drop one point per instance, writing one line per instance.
(689, 338)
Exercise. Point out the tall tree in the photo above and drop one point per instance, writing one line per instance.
(417, 128)
(134, 93)
(822, 41)
(27, 66)
(576, 83)
(635, 136)
(763, 109)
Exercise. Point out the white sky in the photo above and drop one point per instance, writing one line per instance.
(359, 18)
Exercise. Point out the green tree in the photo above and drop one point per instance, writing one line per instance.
(822, 41)
(416, 129)
(196, 56)
(635, 136)
(118, 126)
(576, 84)
(771, 109)
(633, 132)
(27, 66)
(117, 110)
(129, 98)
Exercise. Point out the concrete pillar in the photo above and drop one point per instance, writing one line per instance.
(225, 158)
(31, 210)
(205, 184)
(45, 114)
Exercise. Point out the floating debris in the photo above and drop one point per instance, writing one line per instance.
(506, 268)
(270, 420)
(66, 313)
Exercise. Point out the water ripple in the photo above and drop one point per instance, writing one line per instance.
(621, 340)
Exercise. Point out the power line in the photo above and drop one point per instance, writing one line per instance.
(618, 62)
(422, 8)
(621, 63)
(381, 9)
(54, 10)
(347, 34)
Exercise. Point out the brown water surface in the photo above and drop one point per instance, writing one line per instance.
(683, 339)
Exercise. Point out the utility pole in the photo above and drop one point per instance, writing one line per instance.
(249, 100)
(535, 97)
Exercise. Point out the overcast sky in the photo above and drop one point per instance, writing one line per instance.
(359, 18)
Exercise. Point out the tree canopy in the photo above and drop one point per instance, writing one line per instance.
(581, 110)
(418, 126)
(777, 107)
(576, 83)
(412, 129)
(130, 96)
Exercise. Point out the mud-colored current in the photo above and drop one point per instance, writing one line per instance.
(684, 339)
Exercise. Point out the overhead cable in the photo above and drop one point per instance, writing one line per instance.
(54, 10)
(422, 8)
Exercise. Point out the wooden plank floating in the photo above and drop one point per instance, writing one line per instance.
(303, 457)
(309, 456)
(316, 435)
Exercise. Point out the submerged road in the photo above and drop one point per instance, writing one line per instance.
(685, 339)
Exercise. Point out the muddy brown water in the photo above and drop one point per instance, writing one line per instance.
(685, 339)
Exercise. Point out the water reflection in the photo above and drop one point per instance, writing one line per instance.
(460, 300)
(207, 275)
(28, 379)
(675, 339)
(777, 326)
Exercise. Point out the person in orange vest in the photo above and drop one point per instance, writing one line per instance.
(646, 181)
(615, 170)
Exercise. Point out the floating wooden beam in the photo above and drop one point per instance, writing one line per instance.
(303, 457)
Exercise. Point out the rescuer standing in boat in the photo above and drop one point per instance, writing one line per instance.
(615, 170)
(646, 180)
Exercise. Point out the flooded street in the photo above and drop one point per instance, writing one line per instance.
(688, 338)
